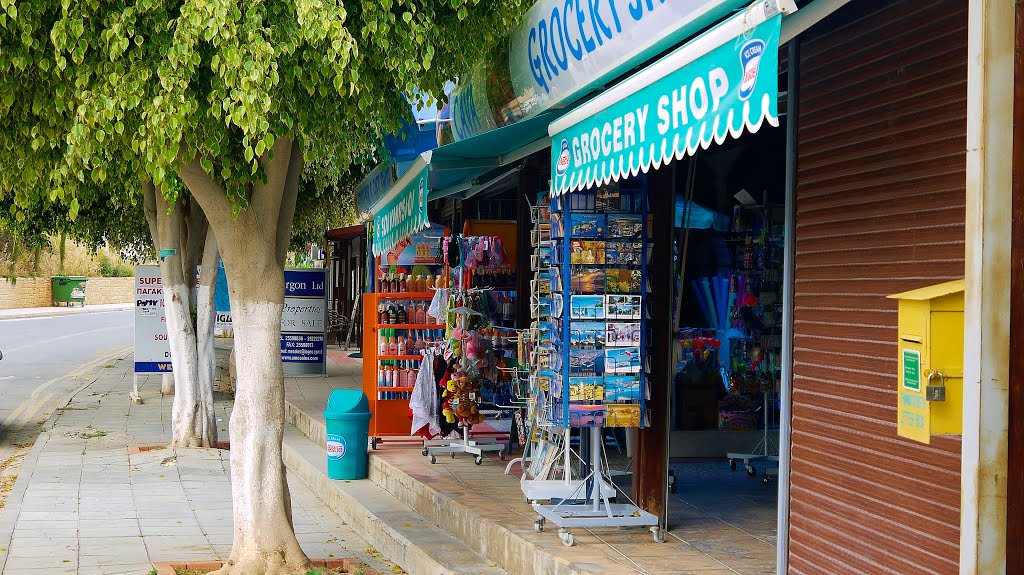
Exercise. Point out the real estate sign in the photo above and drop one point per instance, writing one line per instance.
(152, 350)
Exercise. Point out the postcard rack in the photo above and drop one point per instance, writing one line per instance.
(600, 252)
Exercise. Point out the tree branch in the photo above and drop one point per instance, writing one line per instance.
(149, 207)
(286, 214)
(266, 198)
(169, 227)
(210, 195)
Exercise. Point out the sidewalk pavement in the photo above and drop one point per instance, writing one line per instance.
(94, 499)
(38, 312)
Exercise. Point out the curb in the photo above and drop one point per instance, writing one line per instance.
(57, 312)
(12, 509)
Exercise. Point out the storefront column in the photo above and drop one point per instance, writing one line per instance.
(1015, 489)
(986, 321)
(650, 463)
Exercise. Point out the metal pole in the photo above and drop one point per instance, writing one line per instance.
(788, 278)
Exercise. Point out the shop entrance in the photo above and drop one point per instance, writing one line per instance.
(727, 340)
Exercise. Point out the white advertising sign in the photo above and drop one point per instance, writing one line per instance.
(152, 350)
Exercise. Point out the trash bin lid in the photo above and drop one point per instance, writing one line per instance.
(345, 401)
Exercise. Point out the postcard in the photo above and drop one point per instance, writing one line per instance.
(589, 306)
(587, 225)
(586, 389)
(586, 415)
(587, 362)
(620, 360)
(587, 334)
(622, 388)
(625, 226)
(623, 253)
(622, 280)
(622, 415)
(621, 306)
(587, 252)
(588, 280)
(622, 334)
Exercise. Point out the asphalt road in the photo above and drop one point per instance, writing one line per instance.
(45, 359)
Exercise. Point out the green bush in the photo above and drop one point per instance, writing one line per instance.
(115, 269)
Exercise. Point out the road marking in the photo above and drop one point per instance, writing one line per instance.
(36, 343)
(33, 402)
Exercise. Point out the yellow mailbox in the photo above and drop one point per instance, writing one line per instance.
(931, 361)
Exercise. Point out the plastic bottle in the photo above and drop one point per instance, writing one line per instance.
(403, 284)
(382, 316)
(430, 282)
(400, 348)
(401, 316)
(383, 350)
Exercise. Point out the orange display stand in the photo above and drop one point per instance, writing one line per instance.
(389, 421)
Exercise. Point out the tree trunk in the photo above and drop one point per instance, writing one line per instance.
(206, 316)
(188, 427)
(264, 539)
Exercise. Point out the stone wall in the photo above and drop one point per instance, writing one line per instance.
(25, 292)
(36, 292)
(110, 290)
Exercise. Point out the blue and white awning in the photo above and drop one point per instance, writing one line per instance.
(719, 85)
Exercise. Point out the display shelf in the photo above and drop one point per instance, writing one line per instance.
(404, 295)
(389, 414)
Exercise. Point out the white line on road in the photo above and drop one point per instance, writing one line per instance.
(80, 333)
(31, 405)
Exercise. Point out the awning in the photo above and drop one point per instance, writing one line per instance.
(402, 211)
(707, 90)
(449, 170)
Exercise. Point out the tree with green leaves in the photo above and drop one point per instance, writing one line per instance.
(235, 98)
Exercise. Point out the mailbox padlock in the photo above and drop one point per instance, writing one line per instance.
(935, 392)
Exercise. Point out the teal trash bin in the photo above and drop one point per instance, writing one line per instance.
(348, 426)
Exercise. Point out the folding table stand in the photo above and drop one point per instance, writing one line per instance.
(595, 510)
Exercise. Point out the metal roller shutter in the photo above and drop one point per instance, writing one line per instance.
(880, 209)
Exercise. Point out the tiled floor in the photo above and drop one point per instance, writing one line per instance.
(93, 508)
(721, 522)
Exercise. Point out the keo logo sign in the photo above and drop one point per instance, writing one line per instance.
(563, 158)
(336, 447)
(750, 59)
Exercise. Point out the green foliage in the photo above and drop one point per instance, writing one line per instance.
(98, 95)
(110, 268)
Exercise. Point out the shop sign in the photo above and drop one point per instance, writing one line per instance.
(720, 94)
(566, 48)
(374, 186)
(914, 419)
(152, 349)
(303, 320)
(403, 214)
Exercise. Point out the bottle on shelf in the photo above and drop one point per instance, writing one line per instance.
(401, 347)
(383, 350)
(392, 346)
(429, 282)
(382, 315)
(403, 284)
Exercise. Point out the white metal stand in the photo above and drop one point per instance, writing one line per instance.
(466, 445)
(597, 510)
(768, 450)
(542, 489)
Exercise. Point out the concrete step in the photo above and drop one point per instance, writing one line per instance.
(391, 527)
(488, 513)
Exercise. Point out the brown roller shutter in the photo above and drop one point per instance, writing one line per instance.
(880, 210)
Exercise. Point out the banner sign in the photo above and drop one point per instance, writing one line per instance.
(303, 321)
(732, 88)
(152, 350)
(221, 299)
(564, 49)
(422, 248)
(403, 214)
(374, 186)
